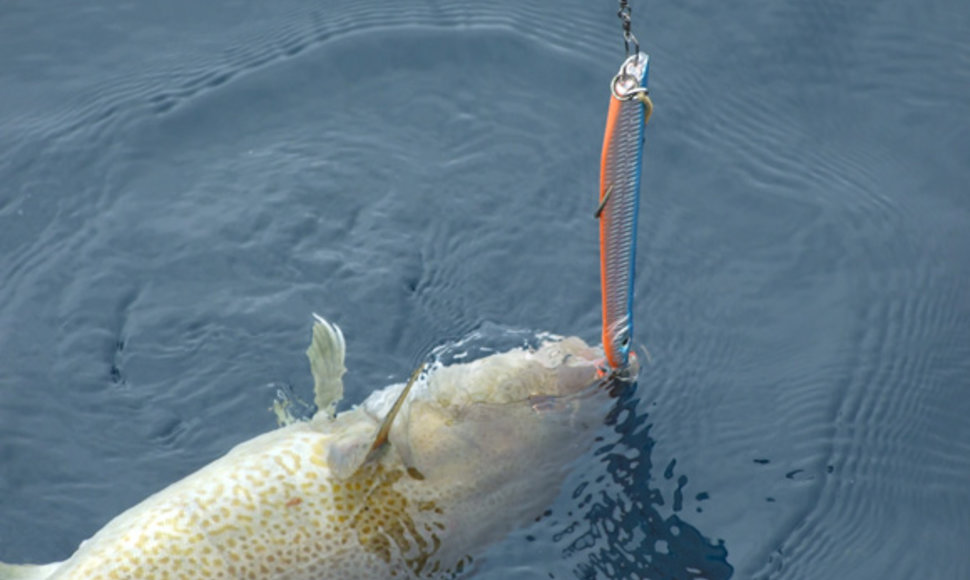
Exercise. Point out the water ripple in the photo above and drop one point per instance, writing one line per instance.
(165, 83)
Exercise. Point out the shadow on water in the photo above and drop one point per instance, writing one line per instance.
(621, 532)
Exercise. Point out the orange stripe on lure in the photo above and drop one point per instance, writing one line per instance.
(619, 201)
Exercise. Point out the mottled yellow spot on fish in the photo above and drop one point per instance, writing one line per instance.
(289, 461)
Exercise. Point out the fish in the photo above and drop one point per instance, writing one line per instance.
(411, 483)
(619, 202)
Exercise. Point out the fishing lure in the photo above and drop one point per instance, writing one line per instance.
(619, 202)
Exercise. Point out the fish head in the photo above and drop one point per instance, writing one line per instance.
(503, 426)
(557, 368)
(485, 441)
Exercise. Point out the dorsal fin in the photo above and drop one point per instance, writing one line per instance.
(348, 452)
(326, 354)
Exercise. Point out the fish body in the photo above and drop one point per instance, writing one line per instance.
(619, 200)
(472, 451)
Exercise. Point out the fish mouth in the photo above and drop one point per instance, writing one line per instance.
(567, 403)
(499, 365)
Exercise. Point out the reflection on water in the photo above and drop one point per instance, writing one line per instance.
(619, 531)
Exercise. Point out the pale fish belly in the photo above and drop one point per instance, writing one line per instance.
(271, 510)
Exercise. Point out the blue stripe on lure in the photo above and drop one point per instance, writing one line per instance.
(619, 202)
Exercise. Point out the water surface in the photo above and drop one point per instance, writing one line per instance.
(182, 185)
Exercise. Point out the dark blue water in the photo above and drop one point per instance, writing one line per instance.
(183, 183)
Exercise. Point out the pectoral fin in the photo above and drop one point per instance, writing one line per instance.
(351, 449)
(326, 354)
(385, 429)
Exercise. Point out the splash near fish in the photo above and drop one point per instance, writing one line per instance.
(412, 483)
(619, 202)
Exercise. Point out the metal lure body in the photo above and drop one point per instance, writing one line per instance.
(619, 199)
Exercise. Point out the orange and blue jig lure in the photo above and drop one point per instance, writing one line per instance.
(619, 202)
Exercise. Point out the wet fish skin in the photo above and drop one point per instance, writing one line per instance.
(475, 450)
